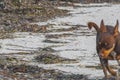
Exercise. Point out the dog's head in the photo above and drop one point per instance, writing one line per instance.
(106, 40)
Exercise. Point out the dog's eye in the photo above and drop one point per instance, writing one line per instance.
(99, 43)
(106, 44)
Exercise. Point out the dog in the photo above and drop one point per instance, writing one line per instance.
(107, 44)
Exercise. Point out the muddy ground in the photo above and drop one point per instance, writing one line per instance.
(18, 19)
(48, 50)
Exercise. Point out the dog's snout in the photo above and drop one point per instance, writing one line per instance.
(101, 55)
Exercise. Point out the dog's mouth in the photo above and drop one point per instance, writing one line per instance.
(105, 52)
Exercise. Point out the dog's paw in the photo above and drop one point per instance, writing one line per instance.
(110, 77)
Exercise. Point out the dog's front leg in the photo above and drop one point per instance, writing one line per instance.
(103, 67)
(111, 71)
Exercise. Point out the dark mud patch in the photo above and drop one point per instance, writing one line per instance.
(28, 72)
(53, 41)
(32, 28)
(5, 35)
(58, 35)
(66, 29)
(11, 69)
(7, 60)
(47, 49)
(15, 16)
(52, 59)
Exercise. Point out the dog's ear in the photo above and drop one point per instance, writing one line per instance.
(116, 31)
(102, 27)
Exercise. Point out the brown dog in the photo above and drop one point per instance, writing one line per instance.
(107, 41)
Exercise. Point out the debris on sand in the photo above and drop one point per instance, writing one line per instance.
(28, 72)
(52, 59)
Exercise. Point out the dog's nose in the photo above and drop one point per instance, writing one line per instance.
(101, 55)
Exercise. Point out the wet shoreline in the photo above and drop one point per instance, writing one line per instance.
(62, 49)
